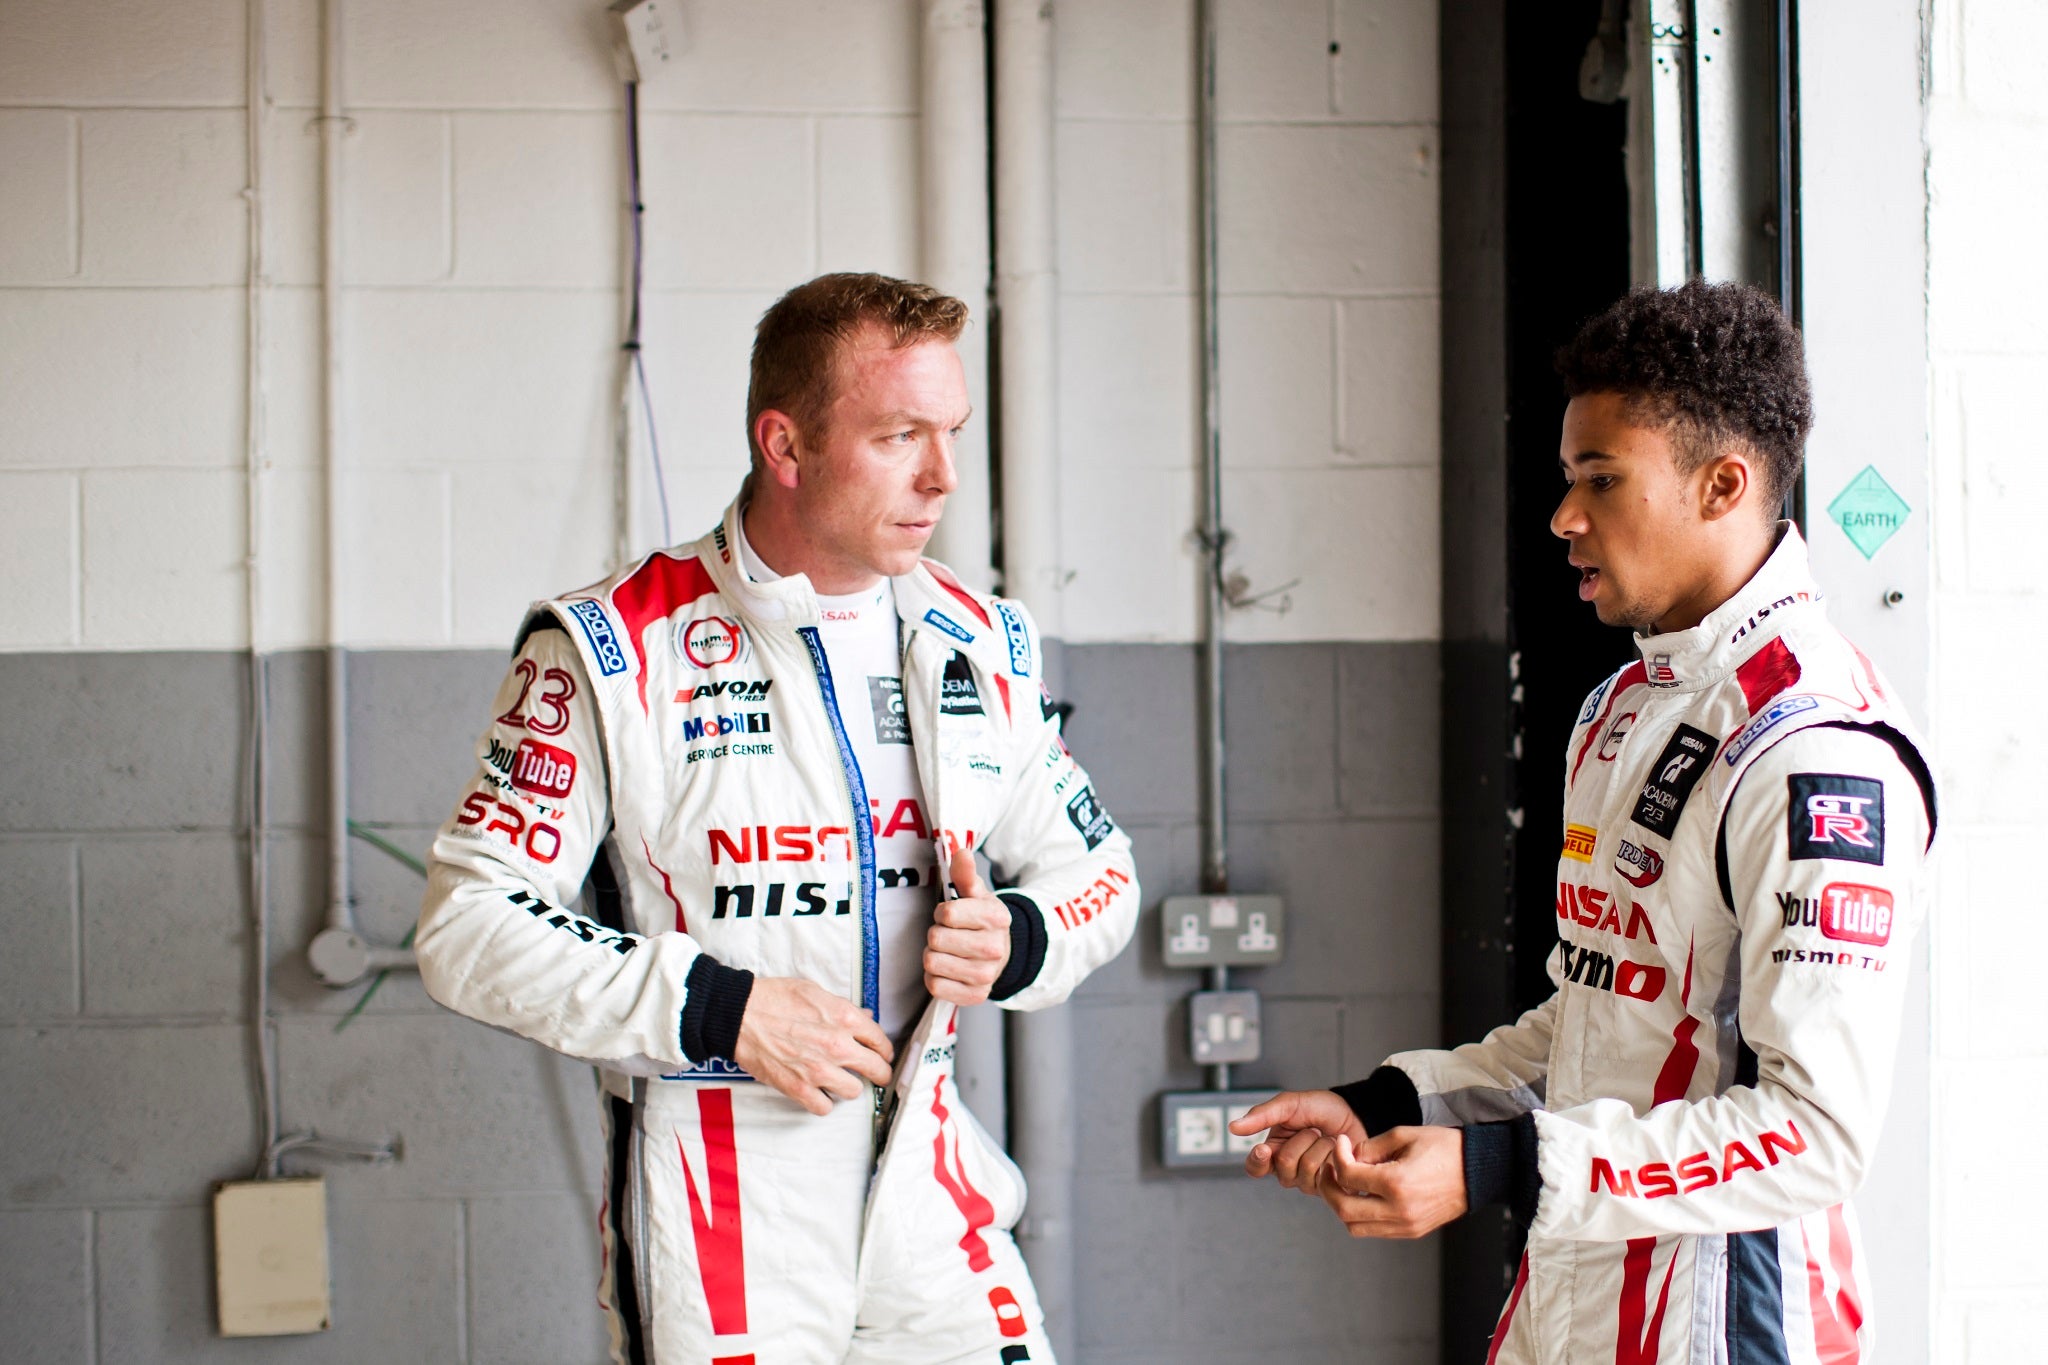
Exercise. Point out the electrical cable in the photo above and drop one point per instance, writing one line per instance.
(385, 846)
(637, 373)
(256, 790)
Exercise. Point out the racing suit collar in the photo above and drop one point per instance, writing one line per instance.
(929, 598)
(1687, 660)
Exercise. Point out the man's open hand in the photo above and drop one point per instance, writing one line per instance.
(1305, 1125)
(969, 942)
(1407, 1182)
(812, 1045)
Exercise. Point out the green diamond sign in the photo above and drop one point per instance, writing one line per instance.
(1868, 511)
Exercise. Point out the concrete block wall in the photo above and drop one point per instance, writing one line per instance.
(482, 263)
(1987, 119)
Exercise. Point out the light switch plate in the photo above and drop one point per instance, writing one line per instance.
(1223, 1026)
(270, 1257)
(1220, 931)
(1194, 1132)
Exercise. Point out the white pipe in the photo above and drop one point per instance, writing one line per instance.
(954, 203)
(954, 223)
(1027, 292)
(332, 128)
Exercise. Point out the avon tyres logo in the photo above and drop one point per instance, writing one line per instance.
(604, 643)
(543, 769)
(710, 641)
(1578, 842)
(1766, 721)
(949, 625)
(739, 689)
(1603, 972)
(1018, 637)
(1638, 866)
(1089, 817)
(1677, 770)
(1831, 815)
(712, 727)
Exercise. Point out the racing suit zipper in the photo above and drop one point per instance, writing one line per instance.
(864, 844)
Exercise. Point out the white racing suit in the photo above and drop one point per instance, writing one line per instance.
(1747, 818)
(673, 732)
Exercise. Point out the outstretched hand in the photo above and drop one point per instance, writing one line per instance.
(969, 942)
(1302, 1127)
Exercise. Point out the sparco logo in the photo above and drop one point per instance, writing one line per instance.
(543, 769)
(597, 628)
(711, 727)
(710, 641)
(1019, 639)
(1638, 866)
(739, 689)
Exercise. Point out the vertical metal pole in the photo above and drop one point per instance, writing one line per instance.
(332, 127)
(1215, 833)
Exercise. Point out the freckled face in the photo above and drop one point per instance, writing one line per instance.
(875, 475)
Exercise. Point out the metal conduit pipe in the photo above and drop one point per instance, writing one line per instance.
(955, 222)
(338, 954)
(1215, 834)
(1027, 296)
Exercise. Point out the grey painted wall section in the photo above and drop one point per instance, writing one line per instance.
(126, 1060)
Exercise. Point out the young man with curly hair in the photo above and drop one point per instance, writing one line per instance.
(1679, 1127)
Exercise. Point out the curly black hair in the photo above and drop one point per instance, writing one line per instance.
(1720, 362)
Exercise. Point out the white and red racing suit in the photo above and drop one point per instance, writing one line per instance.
(1681, 1125)
(674, 733)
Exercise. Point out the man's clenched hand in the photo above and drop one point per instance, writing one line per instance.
(812, 1045)
(969, 942)
(1304, 1126)
(1407, 1182)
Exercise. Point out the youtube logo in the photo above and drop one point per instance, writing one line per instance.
(543, 769)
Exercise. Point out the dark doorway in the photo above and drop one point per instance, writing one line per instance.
(1568, 258)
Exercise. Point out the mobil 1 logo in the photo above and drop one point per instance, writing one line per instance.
(1672, 777)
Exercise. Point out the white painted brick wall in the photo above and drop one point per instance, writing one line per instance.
(482, 257)
(1328, 185)
(1986, 119)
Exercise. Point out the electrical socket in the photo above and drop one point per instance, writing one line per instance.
(270, 1256)
(1220, 931)
(647, 35)
(1223, 1026)
(1194, 1132)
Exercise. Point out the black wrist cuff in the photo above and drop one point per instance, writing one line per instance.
(1027, 946)
(1500, 1166)
(716, 998)
(1386, 1099)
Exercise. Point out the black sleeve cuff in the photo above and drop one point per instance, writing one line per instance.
(1386, 1099)
(1500, 1166)
(717, 997)
(1027, 946)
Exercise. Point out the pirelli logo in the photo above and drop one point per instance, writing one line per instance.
(1578, 842)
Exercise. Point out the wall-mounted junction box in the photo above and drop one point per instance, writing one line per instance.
(1223, 1026)
(1193, 1127)
(1220, 931)
(647, 35)
(270, 1256)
